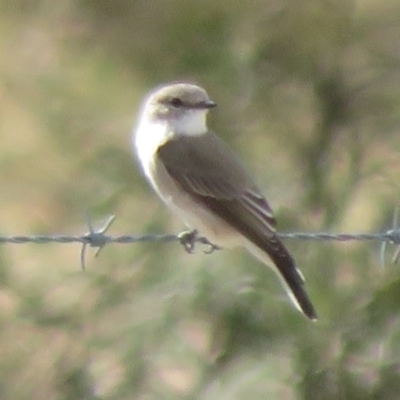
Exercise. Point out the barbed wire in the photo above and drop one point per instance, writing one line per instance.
(97, 238)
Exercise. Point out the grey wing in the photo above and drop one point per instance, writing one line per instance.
(208, 170)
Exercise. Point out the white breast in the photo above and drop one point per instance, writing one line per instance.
(147, 138)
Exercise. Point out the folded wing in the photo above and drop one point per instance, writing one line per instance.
(209, 171)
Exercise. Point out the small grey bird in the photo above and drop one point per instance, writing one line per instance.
(200, 179)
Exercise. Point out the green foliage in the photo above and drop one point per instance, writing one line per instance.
(308, 94)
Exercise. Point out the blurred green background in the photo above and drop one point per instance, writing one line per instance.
(309, 96)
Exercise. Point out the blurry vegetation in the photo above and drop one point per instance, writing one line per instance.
(309, 95)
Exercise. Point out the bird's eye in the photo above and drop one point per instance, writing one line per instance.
(176, 102)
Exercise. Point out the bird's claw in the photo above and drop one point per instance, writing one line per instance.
(188, 240)
(211, 246)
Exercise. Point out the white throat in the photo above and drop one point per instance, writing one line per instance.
(190, 123)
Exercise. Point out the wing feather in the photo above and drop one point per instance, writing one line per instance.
(220, 176)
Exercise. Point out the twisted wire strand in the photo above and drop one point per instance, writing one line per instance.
(97, 238)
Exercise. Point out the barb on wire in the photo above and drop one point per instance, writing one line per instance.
(95, 238)
(394, 230)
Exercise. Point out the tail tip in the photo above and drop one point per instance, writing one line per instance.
(309, 311)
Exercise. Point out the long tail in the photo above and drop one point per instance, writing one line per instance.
(270, 248)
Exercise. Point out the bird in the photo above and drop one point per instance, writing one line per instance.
(203, 182)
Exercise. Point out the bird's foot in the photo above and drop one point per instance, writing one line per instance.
(188, 240)
(211, 246)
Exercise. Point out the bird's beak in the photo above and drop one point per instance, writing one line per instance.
(206, 104)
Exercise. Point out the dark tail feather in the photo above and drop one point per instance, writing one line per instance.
(262, 241)
(286, 268)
